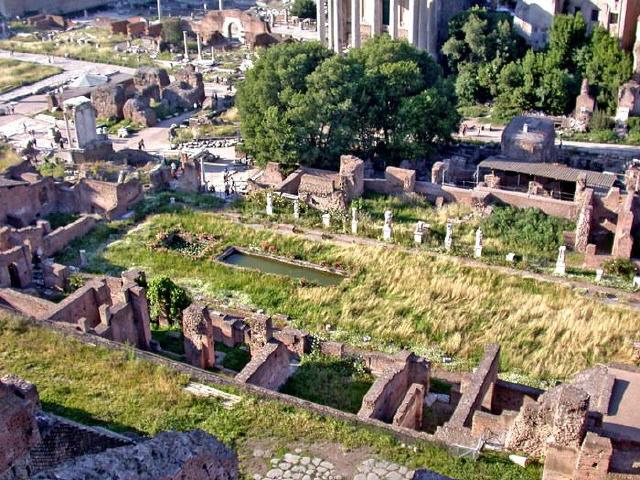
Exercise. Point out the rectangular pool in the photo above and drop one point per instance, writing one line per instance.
(277, 267)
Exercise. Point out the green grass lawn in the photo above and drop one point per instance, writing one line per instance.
(8, 157)
(14, 73)
(432, 304)
(96, 386)
(337, 383)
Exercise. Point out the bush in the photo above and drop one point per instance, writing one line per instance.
(525, 230)
(167, 300)
(620, 267)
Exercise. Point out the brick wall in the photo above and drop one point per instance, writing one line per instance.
(268, 368)
(409, 413)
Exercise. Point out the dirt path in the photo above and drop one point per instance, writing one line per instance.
(604, 294)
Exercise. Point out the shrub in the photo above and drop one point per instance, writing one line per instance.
(620, 267)
(167, 300)
(525, 230)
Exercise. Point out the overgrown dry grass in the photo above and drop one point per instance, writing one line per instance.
(14, 73)
(435, 305)
(8, 157)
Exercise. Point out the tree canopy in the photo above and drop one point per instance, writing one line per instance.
(304, 9)
(489, 63)
(302, 104)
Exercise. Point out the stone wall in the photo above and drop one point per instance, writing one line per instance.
(18, 433)
(400, 180)
(409, 413)
(21, 205)
(389, 390)
(194, 455)
(559, 417)
(477, 389)
(197, 330)
(588, 462)
(15, 267)
(268, 368)
(61, 237)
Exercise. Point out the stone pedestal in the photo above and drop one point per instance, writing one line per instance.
(83, 259)
(326, 220)
(296, 209)
(561, 266)
(599, 273)
(477, 250)
(448, 239)
(387, 230)
(269, 204)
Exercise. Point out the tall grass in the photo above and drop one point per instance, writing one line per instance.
(14, 73)
(435, 305)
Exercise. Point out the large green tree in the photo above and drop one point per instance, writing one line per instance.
(304, 9)
(302, 104)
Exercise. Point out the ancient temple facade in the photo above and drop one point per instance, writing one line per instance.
(346, 24)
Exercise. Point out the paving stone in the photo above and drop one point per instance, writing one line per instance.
(305, 461)
(291, 458)
(275, 473)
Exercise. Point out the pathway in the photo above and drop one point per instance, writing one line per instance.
(630, 299)
(623, 418)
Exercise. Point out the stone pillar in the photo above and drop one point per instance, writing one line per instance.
(83, 259)
(269, 204)
(326, 220)
(376, 28)
(419, 232)
(387, 230)
(355, 23)
(122, 175)
(354, 221)
(561, 265)
(331, 8)
(448, 239)
(413, 22)
(199, 47)
(296, 209)
(393, 18)
(186, 48)
(321, 22)
(477, 250)
(220, 4)
(159, 10)
(337, 26)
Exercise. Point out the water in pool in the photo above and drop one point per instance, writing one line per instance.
(270, 265)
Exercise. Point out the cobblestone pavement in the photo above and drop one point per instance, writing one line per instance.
(299, 467)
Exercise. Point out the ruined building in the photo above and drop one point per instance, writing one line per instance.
(35, 444)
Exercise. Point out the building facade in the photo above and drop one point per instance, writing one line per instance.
(533, 18)
(347, 23)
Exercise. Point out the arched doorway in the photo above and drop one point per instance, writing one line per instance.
(14, 276)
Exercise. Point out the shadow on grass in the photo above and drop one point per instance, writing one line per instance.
(85, 418)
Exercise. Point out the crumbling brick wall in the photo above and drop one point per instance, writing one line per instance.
(559, 417)
(193, 455)
(389, 390)
(409, 413)
(400, 180)
(197, 330)
(108, 100)
(268, 368)
(15, 267)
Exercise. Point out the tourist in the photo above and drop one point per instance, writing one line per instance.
(141, 144)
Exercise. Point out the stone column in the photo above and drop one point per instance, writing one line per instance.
(561, 265)
(337, 26)
(220, 4)
(393, 18)
(477, 251)
(448, 239)
(269, 204)
(376, 28)
(321, 22)
(326, 220)
(413, 22)
(330, 14)
(354, 221)
(186, 48)
(423, 23)
(159, 10)
(355, 23)
(199, 47)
